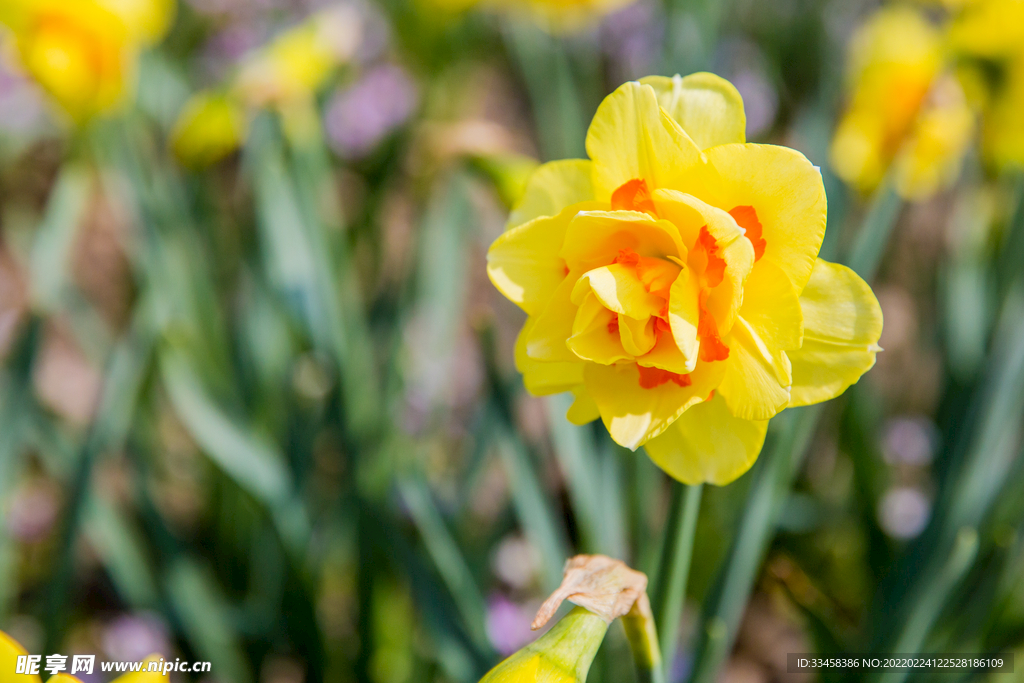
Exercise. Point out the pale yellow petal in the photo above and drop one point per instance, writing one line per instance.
(787, 193)
(553, 325)
(632, 137)
(637, 336)
(708, 107)
(583, 409)
(633, 414)
(540, 377)
(707, 444)
(595, 337)
(756, 382)
(552, 187)
(10, 650)
(524, 262)
(619, 289)
(595, 238)
(842, 325)
(772, 307)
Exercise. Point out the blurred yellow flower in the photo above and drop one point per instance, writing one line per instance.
(902, 112)
(300, 60)
(562, 655)
(672, 282)
(992, 33)
(560, 16)
(10, 650)
(210, 127)
(83, 53)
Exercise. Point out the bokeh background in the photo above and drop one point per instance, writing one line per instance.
(258, 403)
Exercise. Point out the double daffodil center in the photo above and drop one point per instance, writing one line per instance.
(632, 308)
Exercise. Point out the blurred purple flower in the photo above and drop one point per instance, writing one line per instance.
(508, 624)
(631, 38)
(741, 61)
(33, 510)
(133, 637)
(359, 117)
(21, 105)
(903, 512)
(909, 441)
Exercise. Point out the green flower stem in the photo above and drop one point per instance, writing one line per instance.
(677, 551)
(773, 477)
(642, 635)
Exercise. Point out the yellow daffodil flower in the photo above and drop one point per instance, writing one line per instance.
(83, 53)
(903, 112)
(672, 283)
(992, 31)
(285, 74)
(10, 650)
(299, 61)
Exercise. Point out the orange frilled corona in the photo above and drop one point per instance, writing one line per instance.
(672, 283)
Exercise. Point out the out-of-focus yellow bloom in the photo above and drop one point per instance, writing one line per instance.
(555, 16)
(10, 650)
(210, 127)
(992, 31)
(902, 113)
(298, 62)
(561, 16)
(672, 282)
(284, 74)
(83, 52)
(562, 655)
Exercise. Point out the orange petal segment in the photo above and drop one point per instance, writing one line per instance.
(633, 195)
(746, 218)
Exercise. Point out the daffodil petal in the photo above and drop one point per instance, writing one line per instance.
(632, 137)
(683, 318)
(633, 414)
(637, 336)
(524, 262)
(552, 187)
(594, 336)
(10, 650)
(842, 325)
(708, 107)
(595, 238)
(707, 444)
(752, 386)
(772, 307)
(583, 409)
(553, 325)
(542, 378)
(619, 288)
(787, 193)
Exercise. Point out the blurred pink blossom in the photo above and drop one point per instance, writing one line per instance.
(359, 117)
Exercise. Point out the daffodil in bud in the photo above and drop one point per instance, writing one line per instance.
(84, 53)
(562, 655)
(672, 283)
(210, 127)
(603, 589)
(904, 112)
